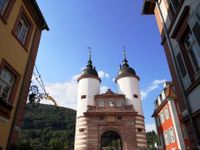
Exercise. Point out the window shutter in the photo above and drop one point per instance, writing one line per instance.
(181, 67)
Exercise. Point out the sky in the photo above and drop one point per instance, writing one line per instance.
(106, 26)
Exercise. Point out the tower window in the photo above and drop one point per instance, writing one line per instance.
(81, 130)
(139, 129)
(83, 96)
(119, 117)
(101, 118)
(135, 95)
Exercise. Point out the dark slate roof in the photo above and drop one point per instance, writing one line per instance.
(89, 71)
(125, 70)
(39, 13)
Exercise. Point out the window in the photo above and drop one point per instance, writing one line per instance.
(23, 28)
(81, 130)
(101, 118)
(172, 137)
(161, 140)
(158, 121)
(7, 80)
(119, 102)
(163, 95)
(83, 96)
(166, 113)
(135, 95)
(159, 100)
(3, 5)
(181, 65)
(173, 6)
(101, 102)
(111, 103)
(166, 138)
(185, 134)
(139, 129)
(192, 49)
(169, 136)
(162, 118)
(119, 117)
(192, 42)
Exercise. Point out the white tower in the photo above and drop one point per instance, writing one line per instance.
(88, 86)
(128, 83)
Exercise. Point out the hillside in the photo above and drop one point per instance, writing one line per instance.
(47, 127)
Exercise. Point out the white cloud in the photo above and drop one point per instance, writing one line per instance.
(103, 89)
(113, 79)
(159, 81)
(103, 74)
(75, 77)
(154, 85)
(65, 93)
(150, 126)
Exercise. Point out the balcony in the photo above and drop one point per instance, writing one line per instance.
(126, 108)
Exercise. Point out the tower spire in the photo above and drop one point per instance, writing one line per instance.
(124, 52)
(125, 62)
(90, 57)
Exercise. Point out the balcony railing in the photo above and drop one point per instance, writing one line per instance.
(126, 108)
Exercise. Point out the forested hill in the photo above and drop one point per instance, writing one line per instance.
(47, 127)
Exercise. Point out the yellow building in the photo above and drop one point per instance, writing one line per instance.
(21, 25)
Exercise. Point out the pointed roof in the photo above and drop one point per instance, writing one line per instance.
(110, 94)
(90, 70)
(125, 70)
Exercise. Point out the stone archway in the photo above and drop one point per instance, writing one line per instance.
(111, 140)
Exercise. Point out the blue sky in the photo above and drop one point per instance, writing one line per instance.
(106, 26)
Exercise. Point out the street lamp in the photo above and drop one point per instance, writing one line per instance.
(154, 3)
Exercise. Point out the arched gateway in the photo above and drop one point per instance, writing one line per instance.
(111, 140)
(109, 121)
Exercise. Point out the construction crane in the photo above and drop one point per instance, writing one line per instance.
(34, 94)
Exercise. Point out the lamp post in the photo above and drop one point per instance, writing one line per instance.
(185, 100)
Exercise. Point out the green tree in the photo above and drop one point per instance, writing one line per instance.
(151, 140)
(55, 144)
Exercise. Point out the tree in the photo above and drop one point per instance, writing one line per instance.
(151, 140)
